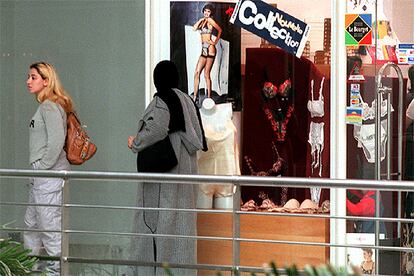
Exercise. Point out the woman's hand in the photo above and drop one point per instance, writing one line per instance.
(130, 141)
(211, 42)
(217, 27)
(196, 26)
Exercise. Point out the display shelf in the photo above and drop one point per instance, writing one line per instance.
(296, 229)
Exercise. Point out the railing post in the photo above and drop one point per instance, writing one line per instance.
(236, 229)
(64, 265)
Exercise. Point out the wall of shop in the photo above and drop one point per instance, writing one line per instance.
(403, 20)
(98, 49)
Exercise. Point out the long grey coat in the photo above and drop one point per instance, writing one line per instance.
(152, 128)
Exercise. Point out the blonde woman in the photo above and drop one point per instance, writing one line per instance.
(47, 130)
(368, 265)
(205, 26)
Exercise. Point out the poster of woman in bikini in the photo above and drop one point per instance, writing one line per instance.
(206, 48)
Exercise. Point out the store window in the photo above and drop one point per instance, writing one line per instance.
(379, 64)
(277, 102)
(290, 135)
(243, 65)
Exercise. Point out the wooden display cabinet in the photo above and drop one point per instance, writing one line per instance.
(297, 229)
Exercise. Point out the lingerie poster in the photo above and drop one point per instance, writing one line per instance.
(206, 48)
(362, 258)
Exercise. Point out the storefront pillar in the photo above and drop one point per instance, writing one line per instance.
(338, 131)
(157, 32)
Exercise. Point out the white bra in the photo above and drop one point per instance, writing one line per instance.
(365, 136)
(316, 107)
(368, 112)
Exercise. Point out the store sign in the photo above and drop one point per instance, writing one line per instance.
(405, 53)
(355, 95)
(361, 6)
(356, 73)
(272, 24)
(353, 115)
(358, 29)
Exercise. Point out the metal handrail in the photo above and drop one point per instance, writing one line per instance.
(259, 181)
(380, 90)
(206, 179)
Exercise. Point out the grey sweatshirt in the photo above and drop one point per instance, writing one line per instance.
(47, 135)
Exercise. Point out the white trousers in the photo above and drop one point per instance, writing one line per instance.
(44, 218)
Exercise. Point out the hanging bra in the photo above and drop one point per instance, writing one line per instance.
(368, 112)
(316, 107)
(278, 119)
(270, 90)
(284, 88)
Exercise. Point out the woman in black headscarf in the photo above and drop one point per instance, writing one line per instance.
(172, 113)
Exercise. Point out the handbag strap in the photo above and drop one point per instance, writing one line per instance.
(75, 114)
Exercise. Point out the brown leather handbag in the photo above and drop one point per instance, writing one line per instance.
(79, 147)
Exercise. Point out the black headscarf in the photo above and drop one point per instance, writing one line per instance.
(166, 78)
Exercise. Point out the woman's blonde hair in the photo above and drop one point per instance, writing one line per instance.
(368, 250)
(54, 90)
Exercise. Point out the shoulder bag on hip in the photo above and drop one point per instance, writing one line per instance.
(159, 157)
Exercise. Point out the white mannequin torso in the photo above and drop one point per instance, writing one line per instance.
(222, 156)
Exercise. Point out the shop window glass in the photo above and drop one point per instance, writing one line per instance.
(392, 27)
